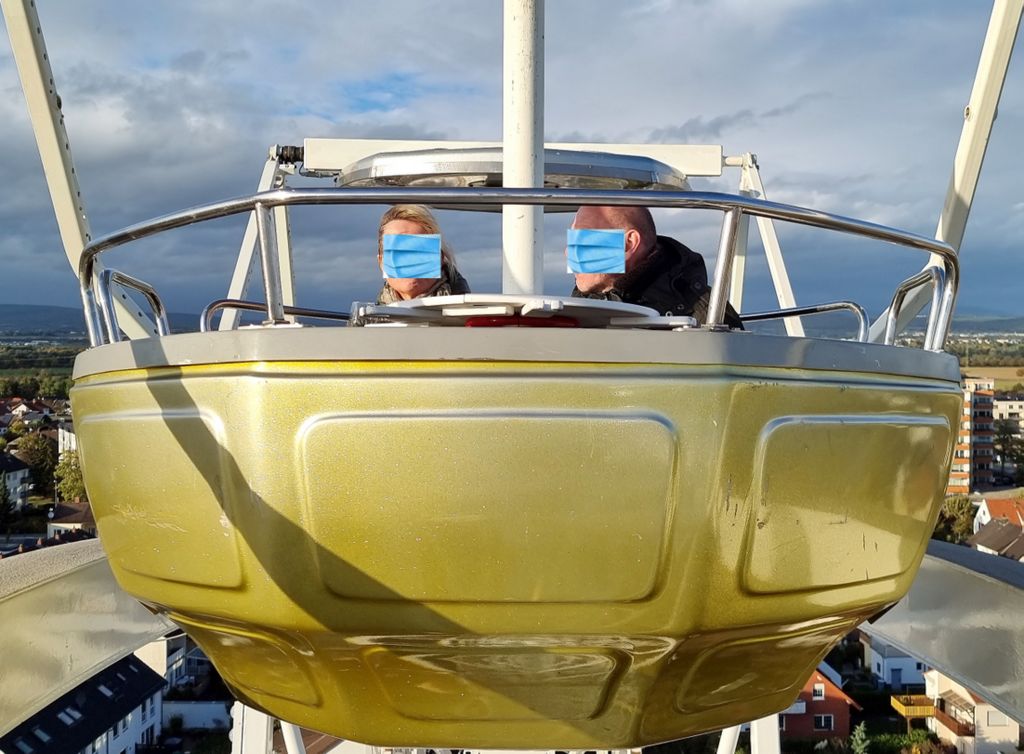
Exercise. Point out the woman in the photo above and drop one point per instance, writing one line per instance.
(416, 219)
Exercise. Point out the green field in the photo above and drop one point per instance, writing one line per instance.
(55, 371)
(1005, 377)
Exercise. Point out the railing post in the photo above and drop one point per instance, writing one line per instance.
(723, 267)
(269, 263)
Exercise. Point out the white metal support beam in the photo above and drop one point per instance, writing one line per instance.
(37, 82)
(727, 742)
(248, 261)
(284, 256)
(251, 730)
(979, 117)
(332, 155)
(739, 262)
(292, 735)
(764, 736)
(751, 185)
(522, 268)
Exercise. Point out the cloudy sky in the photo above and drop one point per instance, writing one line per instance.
(852, 107)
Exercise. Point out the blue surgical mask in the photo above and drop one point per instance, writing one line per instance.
(596, 251)
(408, 255)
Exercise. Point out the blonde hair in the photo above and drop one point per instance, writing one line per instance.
(423, 217)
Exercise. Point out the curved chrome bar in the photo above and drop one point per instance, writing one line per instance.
(931, 275)
(206, 317)
(557, 197)
(106, 303)
(800, 311)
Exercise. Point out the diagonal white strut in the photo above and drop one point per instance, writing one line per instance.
(37, 82)
(979, 115)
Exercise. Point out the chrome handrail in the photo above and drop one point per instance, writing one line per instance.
(106, 303)
(800, 311)
(733, 205)
(931, 275)
(206, 316)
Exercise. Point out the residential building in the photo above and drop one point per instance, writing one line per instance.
(71, 516)
(973, 454)
(19, 479)
(67, 440)
(1009, 406)
(166, 657)
(822, 710)
(960, 718)
(1010, 509)
(891, 667)
(115, 711)
(999, 537)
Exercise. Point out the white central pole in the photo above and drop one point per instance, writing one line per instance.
(522, 269)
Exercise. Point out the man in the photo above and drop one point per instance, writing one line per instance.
(660, 273)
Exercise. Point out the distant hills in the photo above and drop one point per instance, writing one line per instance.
(34, 320)
(16, 319)
(976, 324)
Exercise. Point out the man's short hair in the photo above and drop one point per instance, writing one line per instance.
(638, 218)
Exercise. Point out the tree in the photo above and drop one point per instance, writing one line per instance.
(40, 455)
(69, 477)
(956, 520)
(6, 505)
(1004, 441)
(16, 428)
(859, 743)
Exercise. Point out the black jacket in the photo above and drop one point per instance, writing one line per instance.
(672, 280)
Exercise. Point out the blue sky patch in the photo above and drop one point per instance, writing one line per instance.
(393, 90)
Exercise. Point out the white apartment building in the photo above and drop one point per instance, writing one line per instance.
(966, 721)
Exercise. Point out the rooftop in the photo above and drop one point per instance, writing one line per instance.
(79, 717)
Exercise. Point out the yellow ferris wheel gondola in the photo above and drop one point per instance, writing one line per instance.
(412, 531)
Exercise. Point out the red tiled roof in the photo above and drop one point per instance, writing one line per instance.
(818, 677)
(1011, 509)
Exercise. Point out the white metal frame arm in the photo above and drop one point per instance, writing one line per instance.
(979, 116)
(37, 82)
(251, 730)
(751, 185)
(248, 261)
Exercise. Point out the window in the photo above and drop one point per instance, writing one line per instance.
(878, 668)
(995, 718)
(64, 717)
(819, 691)
(41, 734)
(782, 722)
(105, 691)
(23, 747)
(823, 722)
(919, 665)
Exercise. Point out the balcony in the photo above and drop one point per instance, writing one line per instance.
(958, 727)
(913, 705)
